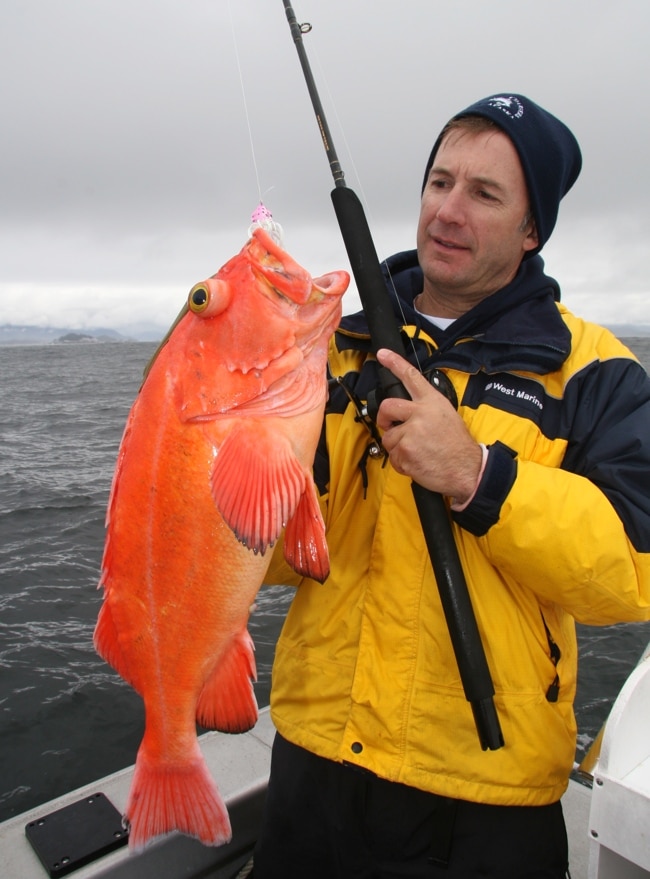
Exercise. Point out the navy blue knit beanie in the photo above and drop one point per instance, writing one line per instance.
(548, 151)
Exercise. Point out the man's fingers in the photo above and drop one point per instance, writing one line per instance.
(414, 382)
(392, 411)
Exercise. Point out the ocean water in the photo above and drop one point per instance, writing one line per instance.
(66, 718)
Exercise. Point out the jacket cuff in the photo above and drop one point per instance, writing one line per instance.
(499, 475)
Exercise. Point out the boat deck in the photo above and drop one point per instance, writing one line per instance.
(240, 765)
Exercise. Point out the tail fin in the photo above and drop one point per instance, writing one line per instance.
(181, 797)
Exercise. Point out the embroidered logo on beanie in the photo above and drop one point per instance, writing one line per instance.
(510, 106)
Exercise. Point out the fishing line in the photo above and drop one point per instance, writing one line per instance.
(243, 93)
(261, 216)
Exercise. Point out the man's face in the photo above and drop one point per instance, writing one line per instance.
(471, 236)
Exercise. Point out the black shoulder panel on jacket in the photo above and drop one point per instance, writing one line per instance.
(608, 439)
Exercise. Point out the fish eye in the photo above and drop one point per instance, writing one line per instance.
(198, 298)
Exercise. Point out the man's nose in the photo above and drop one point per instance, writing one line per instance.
(452, 209)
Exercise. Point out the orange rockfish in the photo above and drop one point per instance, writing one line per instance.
(215, 461)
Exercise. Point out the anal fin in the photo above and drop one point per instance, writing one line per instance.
(227, 701)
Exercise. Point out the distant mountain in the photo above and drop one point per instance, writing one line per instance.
(82, 337)
(12, 334)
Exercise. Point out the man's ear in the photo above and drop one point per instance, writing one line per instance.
(531, 241)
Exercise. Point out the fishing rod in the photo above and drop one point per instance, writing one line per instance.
(434, 519)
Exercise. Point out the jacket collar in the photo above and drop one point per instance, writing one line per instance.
(518, 327)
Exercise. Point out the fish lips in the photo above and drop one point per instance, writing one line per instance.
(287, 277)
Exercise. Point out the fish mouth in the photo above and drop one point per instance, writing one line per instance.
(283, 275)
(310, 303)
(288, 279)
(278, 283)
(329, 283)
(324, 286)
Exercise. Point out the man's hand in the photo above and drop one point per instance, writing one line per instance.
(425, 437)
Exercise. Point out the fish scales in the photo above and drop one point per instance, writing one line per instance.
(215, 460)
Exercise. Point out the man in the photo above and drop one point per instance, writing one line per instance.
(377, 769)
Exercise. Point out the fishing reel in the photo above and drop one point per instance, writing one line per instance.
(390, 386)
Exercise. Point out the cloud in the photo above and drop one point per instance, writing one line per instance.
(138, 138)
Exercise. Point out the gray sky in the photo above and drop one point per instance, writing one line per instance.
(127, 171)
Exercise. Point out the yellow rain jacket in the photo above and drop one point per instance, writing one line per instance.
(558, 531)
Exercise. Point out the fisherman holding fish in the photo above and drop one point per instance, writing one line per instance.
(545, 465)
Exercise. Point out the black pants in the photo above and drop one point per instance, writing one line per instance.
(325, 820)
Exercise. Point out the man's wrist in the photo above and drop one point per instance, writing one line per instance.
(459, 507)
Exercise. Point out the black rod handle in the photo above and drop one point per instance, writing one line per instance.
(459, 615)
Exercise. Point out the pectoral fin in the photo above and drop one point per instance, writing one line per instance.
(259, 487)
(257, 483)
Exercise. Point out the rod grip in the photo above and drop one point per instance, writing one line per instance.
(459, 615)
(367, 271)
